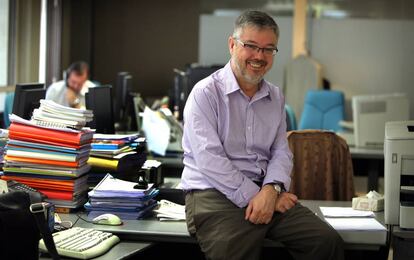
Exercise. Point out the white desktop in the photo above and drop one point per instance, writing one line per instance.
(399, 174)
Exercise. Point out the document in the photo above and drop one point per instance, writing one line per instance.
(170, 211)
(128, 137)
(370, 224)
(157, 131)
(345, 212)
(346, 218)
(111, 186)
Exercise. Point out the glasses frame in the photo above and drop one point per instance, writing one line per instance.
(253, 47)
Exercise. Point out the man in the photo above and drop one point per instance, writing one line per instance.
(237, 162)
(71, 91)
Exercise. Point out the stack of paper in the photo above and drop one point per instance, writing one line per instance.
(346, 218)
(120, 197)
(54, 115)
(170, 211)
(110, 146)
(49, 159)
(115, 154)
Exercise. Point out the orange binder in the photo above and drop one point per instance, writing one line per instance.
(39, 133)
(43, 183)
(42, 161)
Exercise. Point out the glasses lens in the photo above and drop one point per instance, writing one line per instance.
(251, 47)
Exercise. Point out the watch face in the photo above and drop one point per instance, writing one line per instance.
(277, 188)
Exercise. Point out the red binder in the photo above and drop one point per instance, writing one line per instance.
(17, 130)
(59, 195)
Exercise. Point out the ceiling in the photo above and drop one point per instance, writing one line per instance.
(373, 9)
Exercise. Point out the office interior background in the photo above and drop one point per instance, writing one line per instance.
(364, 47)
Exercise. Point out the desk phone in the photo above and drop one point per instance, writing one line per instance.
(17, 186)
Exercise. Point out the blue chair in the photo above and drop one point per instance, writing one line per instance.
(290, 118)
(8, 107)
(323, 109)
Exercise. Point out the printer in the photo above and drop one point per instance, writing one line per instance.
(399, 173)
(370, 112)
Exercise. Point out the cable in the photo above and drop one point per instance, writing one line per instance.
(79, 217)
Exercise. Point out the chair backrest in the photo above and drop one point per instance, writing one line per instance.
(322, 168)
(290, 118)
(8, 108)
(323, 109)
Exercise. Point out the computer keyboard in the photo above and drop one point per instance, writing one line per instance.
(81, 243)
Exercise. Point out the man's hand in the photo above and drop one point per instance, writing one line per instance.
(72, 98)
(285, 201)
(262, 206)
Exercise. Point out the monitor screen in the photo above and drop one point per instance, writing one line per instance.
(123, 86)
(184, 83)
(27, 98)
(124, 113)
(99, 99)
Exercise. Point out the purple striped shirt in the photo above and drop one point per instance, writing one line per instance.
(231, 140)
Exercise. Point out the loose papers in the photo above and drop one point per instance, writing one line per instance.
(346, 218)
(119, 197)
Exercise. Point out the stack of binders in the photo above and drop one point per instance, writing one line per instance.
(120, 155)
(112, 146)
(51, 159)
(122, 198)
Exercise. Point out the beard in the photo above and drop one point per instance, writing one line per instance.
(249, 77)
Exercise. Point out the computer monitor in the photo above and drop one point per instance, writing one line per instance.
(184, 83)
(99, 100)
(124, 112)
(123, 81)
(26, 98)
(371, 112)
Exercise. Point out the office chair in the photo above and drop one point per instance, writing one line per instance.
(8, 108)
(290, 118)
(323, 109)
(322, 166)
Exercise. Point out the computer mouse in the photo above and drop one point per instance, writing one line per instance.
(107, 219)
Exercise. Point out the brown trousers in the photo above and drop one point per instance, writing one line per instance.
(223, 233)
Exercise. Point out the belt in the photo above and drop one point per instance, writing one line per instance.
(191, 191)
(258, 183)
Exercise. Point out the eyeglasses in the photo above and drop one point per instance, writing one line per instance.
(252, 47)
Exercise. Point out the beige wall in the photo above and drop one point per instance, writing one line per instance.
(27, 40)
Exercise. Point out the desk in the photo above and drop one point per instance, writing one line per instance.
(172, 166)
(122, 250)
(152, 230)
(374, 158)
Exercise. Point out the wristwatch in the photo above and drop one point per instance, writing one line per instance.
(277, 187)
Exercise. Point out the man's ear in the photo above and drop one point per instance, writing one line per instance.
(232, 43)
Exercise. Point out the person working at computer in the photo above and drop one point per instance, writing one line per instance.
(71, 91)
(237, 162)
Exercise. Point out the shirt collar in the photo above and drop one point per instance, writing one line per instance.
(264, 91)
(231, 85)
(85, 88)
(230, 82)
